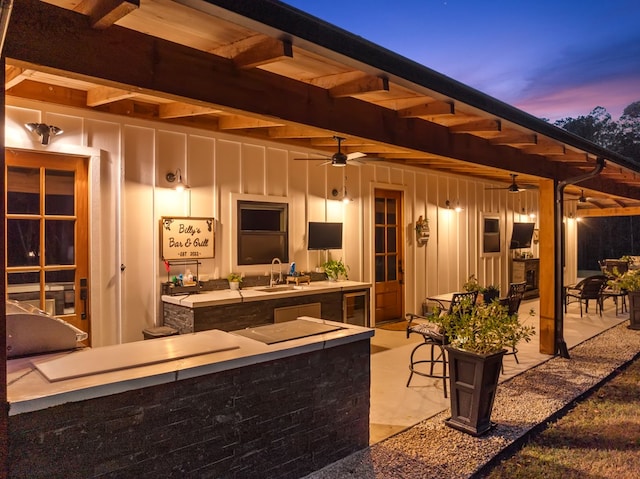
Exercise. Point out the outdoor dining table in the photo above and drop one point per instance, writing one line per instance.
(615, 294)
(443, 300)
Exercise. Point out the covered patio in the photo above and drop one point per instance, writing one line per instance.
(248, 98)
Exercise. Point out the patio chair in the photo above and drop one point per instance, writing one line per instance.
(434, 337)
(512, 302)
(514, 297)
(587, 289)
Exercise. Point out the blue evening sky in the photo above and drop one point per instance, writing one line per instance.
(553, 59)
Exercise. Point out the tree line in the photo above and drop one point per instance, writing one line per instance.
(608, 237)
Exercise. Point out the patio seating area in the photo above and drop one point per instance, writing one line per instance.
(408, 436)
(395, 407)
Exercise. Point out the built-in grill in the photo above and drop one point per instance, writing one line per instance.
(32, 331)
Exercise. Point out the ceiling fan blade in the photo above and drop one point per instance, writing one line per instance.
(355, 155)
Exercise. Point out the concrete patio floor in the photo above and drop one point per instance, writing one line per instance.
(395, 407)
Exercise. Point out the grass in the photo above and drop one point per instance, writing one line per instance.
(599, 438)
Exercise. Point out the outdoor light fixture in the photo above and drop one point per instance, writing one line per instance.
(44, 131)
(345, 197)
(457, 208)
(531, 215)
(177, 178)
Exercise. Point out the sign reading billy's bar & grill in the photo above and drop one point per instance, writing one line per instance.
(186, 238)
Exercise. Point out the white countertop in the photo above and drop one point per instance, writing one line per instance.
(228, 296)
(30, 390)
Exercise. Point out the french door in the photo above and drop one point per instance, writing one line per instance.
(388, 256)
(47, 234)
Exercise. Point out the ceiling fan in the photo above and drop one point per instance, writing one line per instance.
(340, 159)
(581, 198)
(513, 187)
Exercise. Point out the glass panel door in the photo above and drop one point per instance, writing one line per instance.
(388, 255)
(47, 240)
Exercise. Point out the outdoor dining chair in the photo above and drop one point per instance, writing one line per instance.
(512, 302)
(433, 337)
(588, 289)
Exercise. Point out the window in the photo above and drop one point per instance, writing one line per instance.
(263, 232)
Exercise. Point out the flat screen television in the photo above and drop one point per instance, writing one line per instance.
(521, 235)
(324, 235)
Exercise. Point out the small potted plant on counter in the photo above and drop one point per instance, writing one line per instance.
(477, 336)
(335, 268)
(234, 280)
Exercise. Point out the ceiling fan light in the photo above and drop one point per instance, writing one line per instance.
(339, 159)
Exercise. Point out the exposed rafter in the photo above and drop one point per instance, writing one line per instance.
(267, 50)
(104, 13)
(359, 86)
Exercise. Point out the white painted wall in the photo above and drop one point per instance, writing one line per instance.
(130, 194)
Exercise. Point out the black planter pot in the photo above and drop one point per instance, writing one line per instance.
(474, 380)
(634, 309)
(489, 296)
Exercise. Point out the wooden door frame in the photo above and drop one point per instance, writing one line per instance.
(401, 243)
(79, 165)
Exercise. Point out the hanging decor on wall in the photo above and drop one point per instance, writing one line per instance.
(187, 238)
(422, 231)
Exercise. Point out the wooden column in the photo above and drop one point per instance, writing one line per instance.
(4, 404)
(547, 267)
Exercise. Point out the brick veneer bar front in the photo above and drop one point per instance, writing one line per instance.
(284, 418)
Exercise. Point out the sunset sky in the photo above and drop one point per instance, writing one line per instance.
(553, 59)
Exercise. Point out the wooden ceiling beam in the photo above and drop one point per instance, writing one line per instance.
(515, 138)
(14, 75)
(268, 50)
(104, 94)
(475, 126)
(359, 86)
(237, 122)
(294, 131)
(593, 212)
(104, 13)
(180, 109)
(428, 110)
(546, 147)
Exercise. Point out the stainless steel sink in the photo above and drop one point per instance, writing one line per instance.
(275, 289)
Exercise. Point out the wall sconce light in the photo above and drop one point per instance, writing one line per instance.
(345, 197)
(177, 178)
(457, 208)
(531, 215)
(44, 131)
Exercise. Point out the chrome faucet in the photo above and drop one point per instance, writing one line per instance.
(271, 280)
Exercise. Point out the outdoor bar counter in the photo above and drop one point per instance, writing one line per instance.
(275, 401)
(230, 310)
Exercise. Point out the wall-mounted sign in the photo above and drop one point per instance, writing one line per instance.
(186, 238)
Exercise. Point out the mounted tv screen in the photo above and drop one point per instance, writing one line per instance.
(324, 235)
(521, 236)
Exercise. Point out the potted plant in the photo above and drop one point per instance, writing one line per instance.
(477, 336)
(234, 280)
(471, 284)
(490, 292)
(629, 282)
(335, 268)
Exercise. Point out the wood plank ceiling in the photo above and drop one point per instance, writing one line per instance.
(212, 71)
